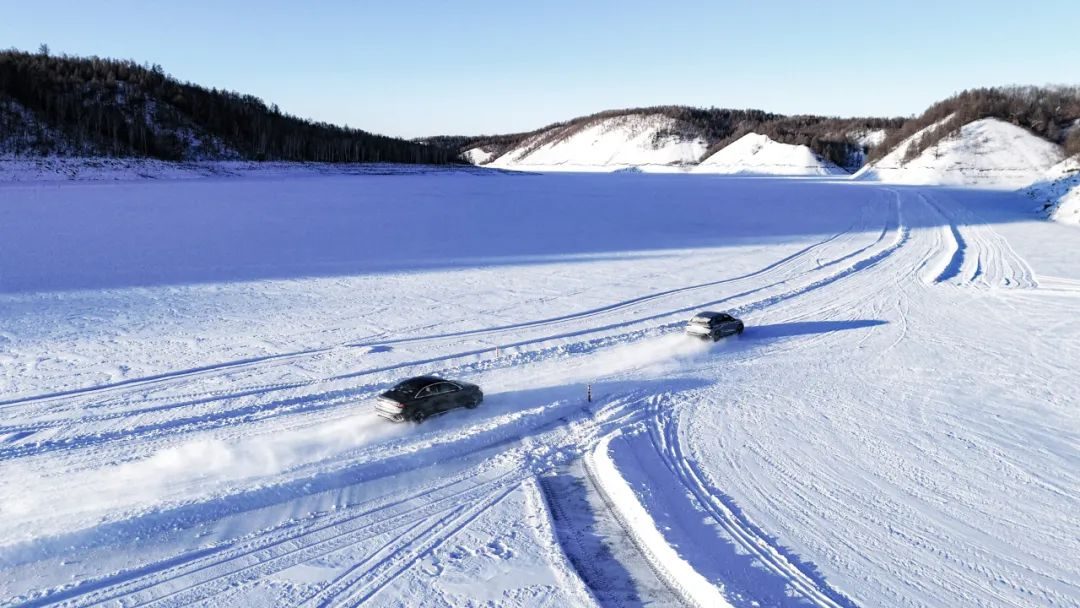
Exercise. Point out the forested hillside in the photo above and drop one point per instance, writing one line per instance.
(1052, 113)
(106, 107)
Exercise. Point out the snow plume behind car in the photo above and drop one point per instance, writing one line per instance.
(172, 474)
(655, 356)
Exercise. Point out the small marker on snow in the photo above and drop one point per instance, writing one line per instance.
(588, 393)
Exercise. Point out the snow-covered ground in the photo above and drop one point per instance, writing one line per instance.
(188, 369)
(986, 153)
(754, 154)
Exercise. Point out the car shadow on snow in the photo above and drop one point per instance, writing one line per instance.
(775, 331)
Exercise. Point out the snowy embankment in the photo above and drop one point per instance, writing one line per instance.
(677, 573)
(48, 169)
(755, 154)
(649, 142)
(1058, 192)
(189, 367)
(987, 153)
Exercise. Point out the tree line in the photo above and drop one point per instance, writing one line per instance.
(115, 107)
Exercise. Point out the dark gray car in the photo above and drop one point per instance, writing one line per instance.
(425, 396)
(709, 325)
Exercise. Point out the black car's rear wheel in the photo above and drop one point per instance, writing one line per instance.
(419, 417)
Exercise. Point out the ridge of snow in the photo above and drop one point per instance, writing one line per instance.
(757, 154)
(986, 152)
(647, 141)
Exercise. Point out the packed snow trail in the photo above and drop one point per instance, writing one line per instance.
(894, 427)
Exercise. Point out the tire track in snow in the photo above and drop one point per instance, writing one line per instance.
(856, 263)
(744, 533)
(254, 361)
(974, 253)
(363, 580)
(747, 536)
(200, 574)
(209, 419)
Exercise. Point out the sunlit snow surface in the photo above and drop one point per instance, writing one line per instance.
(189, 367)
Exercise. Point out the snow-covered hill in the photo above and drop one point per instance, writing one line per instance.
(754, 154)
(650, 142)
(987, 152)
(653, 143)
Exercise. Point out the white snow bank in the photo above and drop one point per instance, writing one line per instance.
(756, 154)
(632, 140)
(1059, 192)
(693, 588)
(987, 152)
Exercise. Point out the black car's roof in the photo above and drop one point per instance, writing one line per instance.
(417, 383)
(708, 314)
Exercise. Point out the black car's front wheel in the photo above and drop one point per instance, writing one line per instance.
(740, 330)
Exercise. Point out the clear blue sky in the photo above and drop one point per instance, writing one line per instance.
(468, 67)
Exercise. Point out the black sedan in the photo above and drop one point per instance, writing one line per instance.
(421, 397)
(709, 325)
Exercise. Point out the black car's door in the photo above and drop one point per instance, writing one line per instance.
(725, 326)
(425, 400)
(448, 395)
(437, 397)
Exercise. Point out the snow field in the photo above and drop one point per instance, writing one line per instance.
(894, 427)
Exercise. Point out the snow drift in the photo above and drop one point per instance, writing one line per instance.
(987, 152)
(756, 154)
